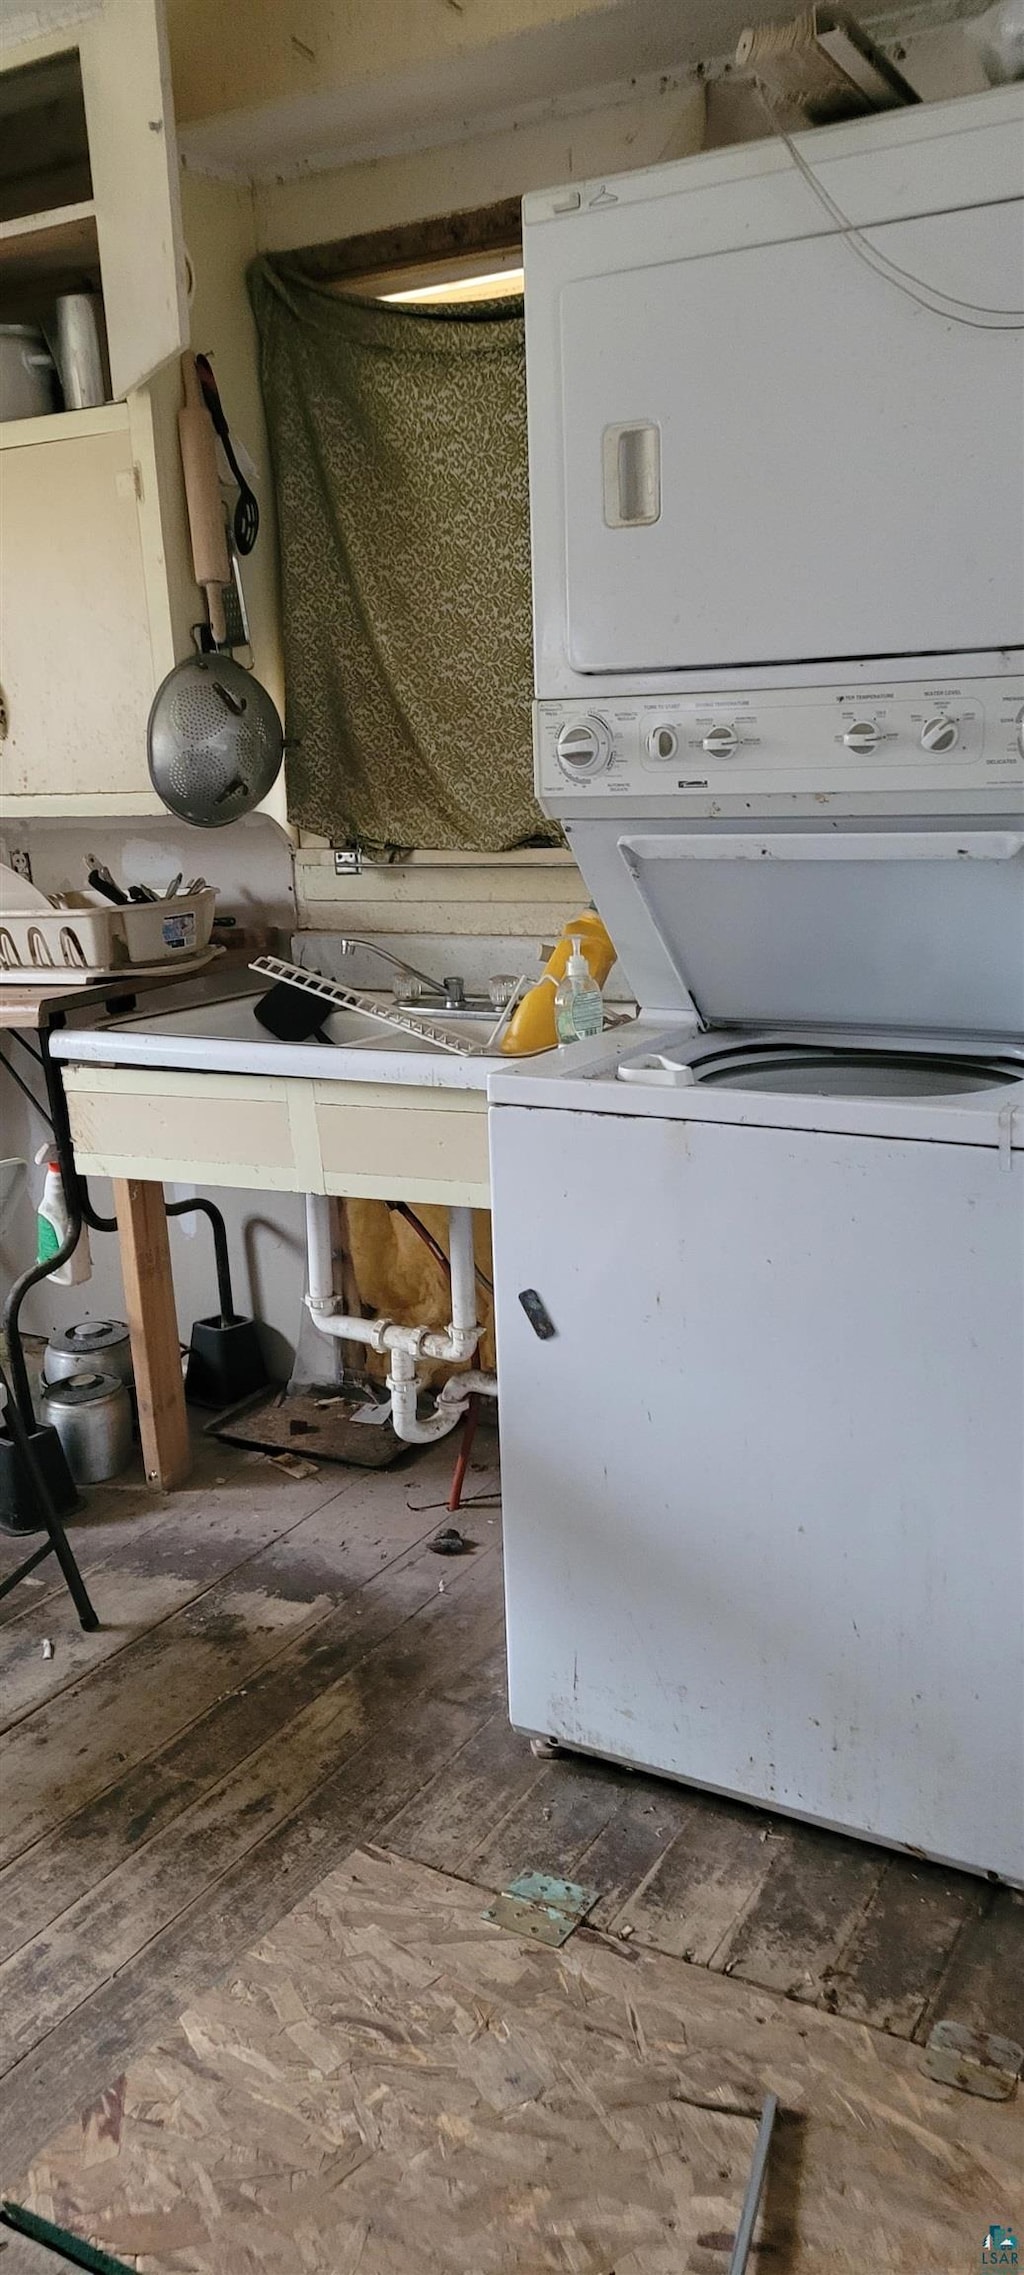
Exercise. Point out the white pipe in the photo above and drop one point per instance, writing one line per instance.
(320, 1252)
(452, 1400)
(406, 1345)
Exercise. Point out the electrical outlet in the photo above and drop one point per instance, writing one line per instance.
(21, 863)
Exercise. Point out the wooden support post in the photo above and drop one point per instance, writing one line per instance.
(153, 1324)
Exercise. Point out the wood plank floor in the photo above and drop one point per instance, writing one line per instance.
(285, 1670)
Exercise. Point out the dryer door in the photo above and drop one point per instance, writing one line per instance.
(774, 454)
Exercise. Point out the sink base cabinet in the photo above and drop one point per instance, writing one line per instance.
(366, 1140)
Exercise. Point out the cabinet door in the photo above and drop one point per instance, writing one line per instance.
(76, 664)
(134, 159)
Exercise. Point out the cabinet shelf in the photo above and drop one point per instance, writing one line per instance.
(39, 248)
(62, 426)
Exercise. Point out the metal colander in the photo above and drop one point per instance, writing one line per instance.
(215, 741)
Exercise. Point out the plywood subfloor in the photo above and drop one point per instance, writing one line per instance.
(388, 2083)
(285, 1671)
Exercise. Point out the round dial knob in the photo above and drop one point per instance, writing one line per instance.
(863, 735)
(940, 733)
(721, 741)
(663, 742)
(583, 747)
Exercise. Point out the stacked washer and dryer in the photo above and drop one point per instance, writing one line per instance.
(764, 1482)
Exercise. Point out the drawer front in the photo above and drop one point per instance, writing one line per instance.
(202, 1129)
(373, 1141)
(406, 1147)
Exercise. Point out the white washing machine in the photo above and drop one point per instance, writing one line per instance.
(760, 1258)
(764, 1482)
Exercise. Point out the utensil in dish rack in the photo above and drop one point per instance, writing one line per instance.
(99, 877)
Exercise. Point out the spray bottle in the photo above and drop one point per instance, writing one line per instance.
(52, 1225)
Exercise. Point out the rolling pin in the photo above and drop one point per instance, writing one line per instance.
(202, 492)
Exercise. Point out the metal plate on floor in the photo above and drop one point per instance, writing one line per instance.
(545, 1909)
(319, 1425)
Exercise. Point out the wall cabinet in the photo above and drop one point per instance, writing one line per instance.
(86, 625)
(96, 593)
(89, 182)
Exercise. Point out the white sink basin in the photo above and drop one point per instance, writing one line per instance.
(225, 1036)
(355, 1030)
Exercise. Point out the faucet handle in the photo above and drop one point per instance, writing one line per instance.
(501, 987)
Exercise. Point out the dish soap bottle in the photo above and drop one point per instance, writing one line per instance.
(532, 1025)
(579, 1011)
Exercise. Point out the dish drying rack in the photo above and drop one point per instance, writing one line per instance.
(86, 942)
(342, 998)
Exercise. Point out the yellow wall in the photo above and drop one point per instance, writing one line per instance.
(420, 183)
(239, 56)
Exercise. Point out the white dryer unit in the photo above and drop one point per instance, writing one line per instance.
(764, 1481)
(750, 450)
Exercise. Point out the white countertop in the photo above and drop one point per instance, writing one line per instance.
(224, 1036)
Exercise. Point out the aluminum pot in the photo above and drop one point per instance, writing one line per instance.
(80, 351)
(92, 1415)
(28, 377)
(90, 1343)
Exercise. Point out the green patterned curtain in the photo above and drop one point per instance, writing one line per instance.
(399, 447)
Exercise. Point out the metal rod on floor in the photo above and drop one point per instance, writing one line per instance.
(465, 1449)
(755, 2185)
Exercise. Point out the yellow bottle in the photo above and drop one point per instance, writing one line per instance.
(532, 1025)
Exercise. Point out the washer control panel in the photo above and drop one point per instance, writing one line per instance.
(813, 741)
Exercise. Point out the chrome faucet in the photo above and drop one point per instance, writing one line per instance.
(449, 992)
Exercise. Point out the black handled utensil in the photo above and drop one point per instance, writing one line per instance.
(247, 513)
(99, 877)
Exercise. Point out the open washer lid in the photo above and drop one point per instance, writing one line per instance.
(894, 928)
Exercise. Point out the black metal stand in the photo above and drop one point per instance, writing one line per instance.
(225, 1363)
(57, 1544)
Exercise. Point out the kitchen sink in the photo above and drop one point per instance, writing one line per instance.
(225, 1036)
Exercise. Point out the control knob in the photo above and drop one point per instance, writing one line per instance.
(721, 741)
(940, 733)
(663, 742)
(583, 747)
(863, 736)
